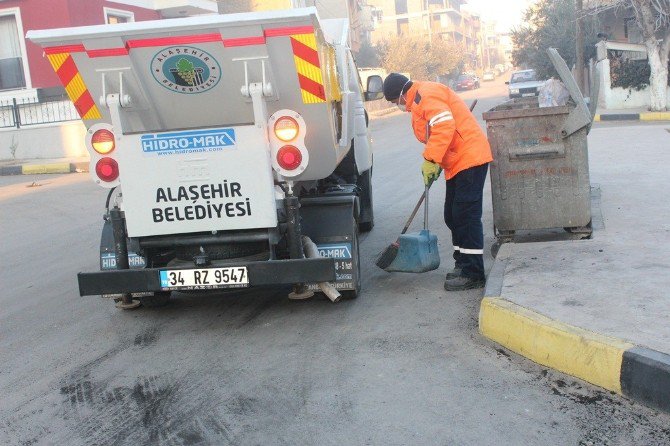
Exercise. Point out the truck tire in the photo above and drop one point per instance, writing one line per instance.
(367, 218)
(355, 252)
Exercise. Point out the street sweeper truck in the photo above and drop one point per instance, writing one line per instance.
(235, 149)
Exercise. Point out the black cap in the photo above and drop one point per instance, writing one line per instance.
(393, 84)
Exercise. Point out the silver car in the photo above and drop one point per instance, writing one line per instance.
(524, 83)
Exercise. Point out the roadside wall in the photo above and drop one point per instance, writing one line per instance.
(621, 98)
(63, 140)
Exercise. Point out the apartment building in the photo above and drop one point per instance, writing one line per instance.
(444, 19)
(25, 73)
(353, 10)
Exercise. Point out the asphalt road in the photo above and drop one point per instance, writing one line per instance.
(403, 364)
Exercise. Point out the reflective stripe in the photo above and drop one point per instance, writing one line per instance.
(445, 114)
(471, 251)
(456, 248)
(446, 118)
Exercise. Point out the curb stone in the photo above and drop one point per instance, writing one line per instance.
(614, 364)
(649, 116)
(34, 169)
(383, 112)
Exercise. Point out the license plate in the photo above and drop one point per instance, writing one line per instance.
(528, 94)
(205, 278)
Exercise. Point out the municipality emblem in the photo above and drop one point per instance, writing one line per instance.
(185, 69)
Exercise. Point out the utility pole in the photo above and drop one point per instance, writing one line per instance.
(579, 53)
(430, 25)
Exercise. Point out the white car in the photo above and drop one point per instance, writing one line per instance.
(524, 83)
(488, 76)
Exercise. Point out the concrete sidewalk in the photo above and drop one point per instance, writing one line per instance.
(598, 309)
(42, 166)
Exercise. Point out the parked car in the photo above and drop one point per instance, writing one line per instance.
(524, 83)
(467, 82)
(488, 76)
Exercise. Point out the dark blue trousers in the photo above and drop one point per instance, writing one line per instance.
(463, 216)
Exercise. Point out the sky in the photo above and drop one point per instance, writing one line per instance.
(507, 13)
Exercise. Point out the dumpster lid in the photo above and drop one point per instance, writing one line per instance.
(580, 116)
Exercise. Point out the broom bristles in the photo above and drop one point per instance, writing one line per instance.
(388, 256)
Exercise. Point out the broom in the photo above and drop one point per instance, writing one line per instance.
(391, 252)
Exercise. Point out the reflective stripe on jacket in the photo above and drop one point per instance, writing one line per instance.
(443, 122)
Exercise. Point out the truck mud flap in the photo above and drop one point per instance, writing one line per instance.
(270, 272)
(332, 224)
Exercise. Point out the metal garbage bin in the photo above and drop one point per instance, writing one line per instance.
(540, 172)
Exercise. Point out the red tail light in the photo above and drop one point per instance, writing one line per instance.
(107, 169)
(289, 157)
(103, 141)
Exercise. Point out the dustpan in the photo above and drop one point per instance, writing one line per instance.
(417, 252)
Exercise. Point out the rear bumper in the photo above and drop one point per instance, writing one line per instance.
(270, 272)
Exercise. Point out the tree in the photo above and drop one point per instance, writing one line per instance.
(420, 58)
(368, 56)
(551, 24)
(653, 19)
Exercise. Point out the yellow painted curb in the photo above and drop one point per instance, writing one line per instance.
(30, 169)
(655, 116)
(577, 352)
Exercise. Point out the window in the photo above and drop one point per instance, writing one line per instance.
(523, 76)
(403, 27)
(118, 16)
(631, 30)
(12, 49)
(401, 6)
(377, 15)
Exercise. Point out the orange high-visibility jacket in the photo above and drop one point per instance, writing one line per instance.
(443, 122)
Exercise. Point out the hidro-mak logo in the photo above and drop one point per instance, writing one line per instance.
(186, 69)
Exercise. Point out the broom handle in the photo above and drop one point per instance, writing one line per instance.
(425, 210)
(416, 209)
(424, 195)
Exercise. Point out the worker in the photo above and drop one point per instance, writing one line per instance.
(456, 144)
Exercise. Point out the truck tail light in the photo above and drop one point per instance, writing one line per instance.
(286, 128)
(107, 169)
(289, 157)
(103, 141)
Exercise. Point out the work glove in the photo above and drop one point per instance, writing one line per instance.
(431, 172)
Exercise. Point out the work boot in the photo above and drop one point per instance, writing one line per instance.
(454, 273)
(461, 283)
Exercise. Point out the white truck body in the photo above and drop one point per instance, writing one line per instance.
(137, 61)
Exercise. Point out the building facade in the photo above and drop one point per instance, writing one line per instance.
(25, 73)
(355, 11)
(443, 19)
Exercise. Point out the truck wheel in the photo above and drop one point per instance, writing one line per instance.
(355, 252)
(159, 299)
(367, 218)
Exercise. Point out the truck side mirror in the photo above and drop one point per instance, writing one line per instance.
(374, 88)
